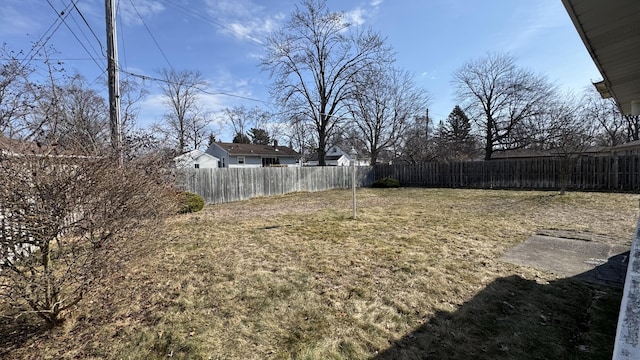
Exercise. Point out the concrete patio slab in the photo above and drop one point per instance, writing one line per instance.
(594, 258)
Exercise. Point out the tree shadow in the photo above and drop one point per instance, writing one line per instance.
(517, 318)
(14, 333)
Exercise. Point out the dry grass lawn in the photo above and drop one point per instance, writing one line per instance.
(416, 276)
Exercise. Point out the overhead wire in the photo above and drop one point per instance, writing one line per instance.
(101, 67)
(121, 36)
(39, 45)
(146, 77)
(204, 91)
(89, 26)
(199, 15)
(96, 53)
(151, 34)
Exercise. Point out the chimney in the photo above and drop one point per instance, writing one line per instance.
(275, 144)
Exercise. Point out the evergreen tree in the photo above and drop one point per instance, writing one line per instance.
(212, 138)
(259, 136)
(241, 138)
(455, 135)
(458, 126)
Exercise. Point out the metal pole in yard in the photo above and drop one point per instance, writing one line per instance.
(353, 181)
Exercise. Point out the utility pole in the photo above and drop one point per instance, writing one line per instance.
(426, 128)
(114, 79)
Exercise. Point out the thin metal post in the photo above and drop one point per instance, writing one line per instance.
(353, 182)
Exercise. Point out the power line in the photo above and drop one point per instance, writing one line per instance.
(42, 41)
(96, 53)
(76, 36)
(89, 26)
(150, 34)
(49, 58)
(122, 37)
(145, 77)
(199, 15)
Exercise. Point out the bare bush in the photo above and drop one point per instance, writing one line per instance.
(66, 221)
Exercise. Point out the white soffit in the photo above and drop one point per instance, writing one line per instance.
(611, 32)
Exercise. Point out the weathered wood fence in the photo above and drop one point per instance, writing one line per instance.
(227, 185)
(604, 173)
(596, 173)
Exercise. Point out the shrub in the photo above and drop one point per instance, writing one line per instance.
(68, 222)
(386, 182)
(190, 202)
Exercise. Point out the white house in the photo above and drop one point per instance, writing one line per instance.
(234, 155)
(196, 159)
(334, 157)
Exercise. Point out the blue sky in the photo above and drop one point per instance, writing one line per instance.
(223, 40)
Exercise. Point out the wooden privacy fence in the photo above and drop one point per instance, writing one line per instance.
(605, 173)
(234, 184)
(602, 173)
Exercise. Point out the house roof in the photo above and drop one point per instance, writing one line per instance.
(532, 153)
(254, 150)
(630, 145)
(194, 155)
(22, 147)
(610, 32)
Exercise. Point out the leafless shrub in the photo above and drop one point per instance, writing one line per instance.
(66, 221)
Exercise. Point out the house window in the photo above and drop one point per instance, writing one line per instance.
(197, 166)
(240, 160)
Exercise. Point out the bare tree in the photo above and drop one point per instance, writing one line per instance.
(85, 120)
(15, 99)
(240, 119)
(198, 128)
(131, 93)
(604, 112)
(300, 137)
(384, 102)
(502, 98)
(181, 91)
(67, 221)
(567, 134)
(313, 60)
(633, 127)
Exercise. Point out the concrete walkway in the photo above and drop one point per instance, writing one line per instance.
(594, 258)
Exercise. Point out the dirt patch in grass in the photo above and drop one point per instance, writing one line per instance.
(416, 276)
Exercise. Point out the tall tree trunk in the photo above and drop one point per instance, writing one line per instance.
(322, 150)
(488, 146)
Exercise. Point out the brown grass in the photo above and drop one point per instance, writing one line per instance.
(416, 276)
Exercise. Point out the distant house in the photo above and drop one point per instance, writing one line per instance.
(334, 157)
(234, 155)
(196, 159)
(630, 148)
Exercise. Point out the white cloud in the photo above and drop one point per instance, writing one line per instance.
(427, 75)
(131, 14)
(243, 19)
(360, 15)
(356, 16)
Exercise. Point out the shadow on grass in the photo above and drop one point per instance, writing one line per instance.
(15, 333)
(516, 318)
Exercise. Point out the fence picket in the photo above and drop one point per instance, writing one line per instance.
(603, 173)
